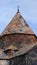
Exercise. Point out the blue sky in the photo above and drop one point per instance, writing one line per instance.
(28, 9)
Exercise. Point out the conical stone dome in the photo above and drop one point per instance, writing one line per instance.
(17, 25)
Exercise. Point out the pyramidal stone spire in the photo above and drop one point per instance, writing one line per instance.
(17, 25)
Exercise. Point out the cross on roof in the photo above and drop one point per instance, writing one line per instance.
(18, 9)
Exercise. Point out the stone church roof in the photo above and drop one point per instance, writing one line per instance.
(17, 25)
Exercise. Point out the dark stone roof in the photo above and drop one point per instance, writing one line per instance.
(17, 25)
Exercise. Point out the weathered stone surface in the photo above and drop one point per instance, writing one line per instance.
(4, 62)
(17, 25)
(29, 58)
(18, 40)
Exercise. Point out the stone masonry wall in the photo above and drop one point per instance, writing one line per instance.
(17, 40)
(27, 59)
